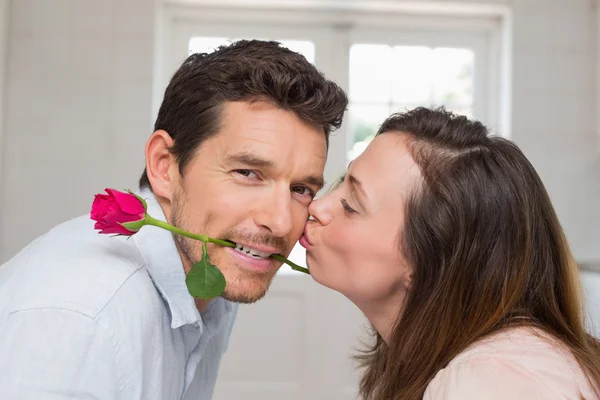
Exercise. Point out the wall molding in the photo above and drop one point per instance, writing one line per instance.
(464, 8)
(4, 40)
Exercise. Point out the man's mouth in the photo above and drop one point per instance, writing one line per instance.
(251, 251)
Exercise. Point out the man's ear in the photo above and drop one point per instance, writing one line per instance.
(161, 165)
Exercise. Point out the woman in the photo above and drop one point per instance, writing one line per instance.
(446, 240)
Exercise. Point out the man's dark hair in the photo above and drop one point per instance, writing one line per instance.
(245, 70)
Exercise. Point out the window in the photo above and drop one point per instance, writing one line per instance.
(386, 79)
(386, 63)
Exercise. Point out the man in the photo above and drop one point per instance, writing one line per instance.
(238, 153)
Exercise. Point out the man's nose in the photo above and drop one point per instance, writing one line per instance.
(276, 213)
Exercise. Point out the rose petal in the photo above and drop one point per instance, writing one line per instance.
(128, 203)
(112, 209)
(99, 206)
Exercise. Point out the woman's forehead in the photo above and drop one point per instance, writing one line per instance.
(386, 168)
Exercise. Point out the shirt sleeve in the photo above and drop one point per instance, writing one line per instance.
(486, 379)
(56, 354)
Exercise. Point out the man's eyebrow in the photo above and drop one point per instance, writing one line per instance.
(314, 180)
(249, 159)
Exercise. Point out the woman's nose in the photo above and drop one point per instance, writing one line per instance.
(320, 210)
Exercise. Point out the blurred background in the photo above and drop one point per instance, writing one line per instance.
(81, 82)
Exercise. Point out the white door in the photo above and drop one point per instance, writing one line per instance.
(295, 344)
(298, 342)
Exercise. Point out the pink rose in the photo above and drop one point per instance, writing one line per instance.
(115, 208)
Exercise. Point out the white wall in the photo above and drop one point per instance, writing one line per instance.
(78, 109)
(554, 110)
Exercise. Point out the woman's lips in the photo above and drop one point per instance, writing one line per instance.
(305, 240)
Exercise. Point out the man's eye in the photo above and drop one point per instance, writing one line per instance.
(247, 173)
(303, 190)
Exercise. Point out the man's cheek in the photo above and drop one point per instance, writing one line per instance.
(298, 226)
(228, 205)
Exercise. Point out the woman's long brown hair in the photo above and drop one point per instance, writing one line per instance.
(488, 253)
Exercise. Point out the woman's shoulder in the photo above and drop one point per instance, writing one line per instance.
(520, 363)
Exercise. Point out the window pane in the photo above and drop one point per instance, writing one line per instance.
(412, 80)
(386, 79)
(453, 77)
(365, 119)
(205, 44)
(370, 73)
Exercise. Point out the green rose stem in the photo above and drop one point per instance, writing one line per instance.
(204, 238)
(294, 266)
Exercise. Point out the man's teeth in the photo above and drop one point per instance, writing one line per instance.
(252, 252)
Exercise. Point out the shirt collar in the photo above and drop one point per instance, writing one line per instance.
(165, 267)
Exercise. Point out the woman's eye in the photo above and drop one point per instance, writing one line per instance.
(247, 173)
(347, 208)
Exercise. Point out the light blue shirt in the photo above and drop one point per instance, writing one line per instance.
(89, 316)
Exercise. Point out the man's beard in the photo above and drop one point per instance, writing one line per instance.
(244, 286)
